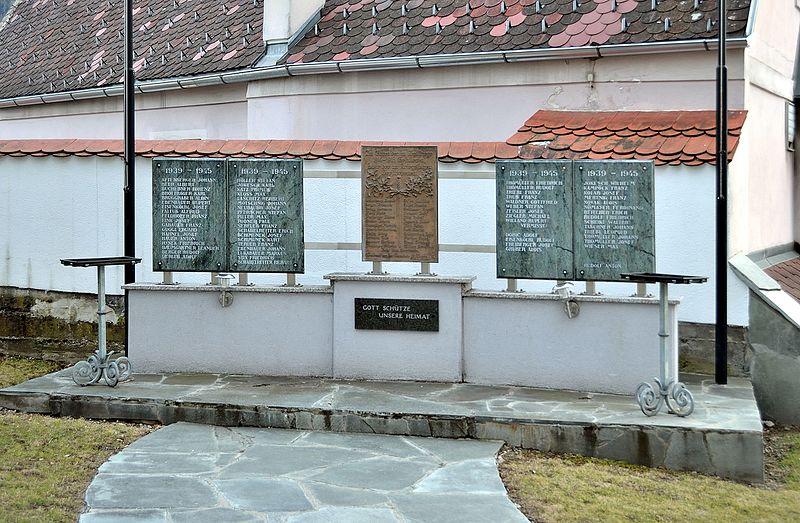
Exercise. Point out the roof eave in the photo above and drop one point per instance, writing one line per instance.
(375, 64)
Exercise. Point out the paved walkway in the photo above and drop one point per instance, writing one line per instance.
(199, 473)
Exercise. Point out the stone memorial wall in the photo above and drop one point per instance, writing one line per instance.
(615, 220)
(574, 220)
(228, 215)
(189, 231)
(399, 203)
(265, 215)
(534, 219)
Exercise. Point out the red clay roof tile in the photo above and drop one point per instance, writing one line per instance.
(347, 149)
(255, 147)
(460, 150)
(209, 146)
(323, 148)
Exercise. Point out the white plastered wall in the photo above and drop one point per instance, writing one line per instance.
(482, 102)
(210, 112)
(53, 208)
(764, 182)
(72, 207)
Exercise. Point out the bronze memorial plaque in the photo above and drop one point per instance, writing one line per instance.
(399, 203)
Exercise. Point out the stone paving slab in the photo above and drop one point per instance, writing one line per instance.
(722, 437)
(297, 476)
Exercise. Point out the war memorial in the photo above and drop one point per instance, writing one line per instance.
(414, 354)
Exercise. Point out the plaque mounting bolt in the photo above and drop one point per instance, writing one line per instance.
(225, 298)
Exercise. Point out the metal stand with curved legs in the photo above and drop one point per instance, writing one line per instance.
(99, 364)
(667, 390)
(664, 389)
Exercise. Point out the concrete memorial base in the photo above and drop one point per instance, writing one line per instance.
(284, 331)
(400, 327)
(722, 437)
(407, 353)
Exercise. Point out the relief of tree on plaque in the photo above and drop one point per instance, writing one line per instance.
(378, 184)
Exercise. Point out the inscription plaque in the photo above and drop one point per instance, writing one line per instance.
(615, 230)
(399, 203)
(265, 215)
(396, 314)
(575, 220)
(534, 219)
(189, 232)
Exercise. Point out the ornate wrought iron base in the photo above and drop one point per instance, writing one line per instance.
(674, 393)
(97, 366)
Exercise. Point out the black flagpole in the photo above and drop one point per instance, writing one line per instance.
(129, 196)
(721, 337)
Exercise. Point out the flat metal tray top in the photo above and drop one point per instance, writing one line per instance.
(106, 260)
(655, 277)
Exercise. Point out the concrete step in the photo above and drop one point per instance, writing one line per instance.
(722, 437)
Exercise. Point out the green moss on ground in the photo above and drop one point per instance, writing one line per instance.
(17, 370)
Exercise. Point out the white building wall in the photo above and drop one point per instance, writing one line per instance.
(482, 102)
(764, 186)
(72, 207)
(212, 112)
(53, 208)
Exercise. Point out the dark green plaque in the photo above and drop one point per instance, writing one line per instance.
(265, 213)
(188, 215)
(614, 219)
(396, 314)
(534, 219)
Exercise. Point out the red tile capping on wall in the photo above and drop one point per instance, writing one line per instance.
(667, 137)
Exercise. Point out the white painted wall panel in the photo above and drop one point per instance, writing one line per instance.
(267, 333)
(532, 342)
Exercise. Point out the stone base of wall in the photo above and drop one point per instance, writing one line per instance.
(697, 349)
(56, 326)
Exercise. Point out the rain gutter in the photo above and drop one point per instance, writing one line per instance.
(376, 64)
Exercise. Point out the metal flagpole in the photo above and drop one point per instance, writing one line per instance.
(129, 196)
(721, 336)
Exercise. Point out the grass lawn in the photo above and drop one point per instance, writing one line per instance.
(552, 488)
(47, 463)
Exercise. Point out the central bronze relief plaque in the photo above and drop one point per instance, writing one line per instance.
(399, 203)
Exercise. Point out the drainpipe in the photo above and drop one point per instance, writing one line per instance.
(721, 331)
(129, 191)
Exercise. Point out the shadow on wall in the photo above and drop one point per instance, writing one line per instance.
(776, 362)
